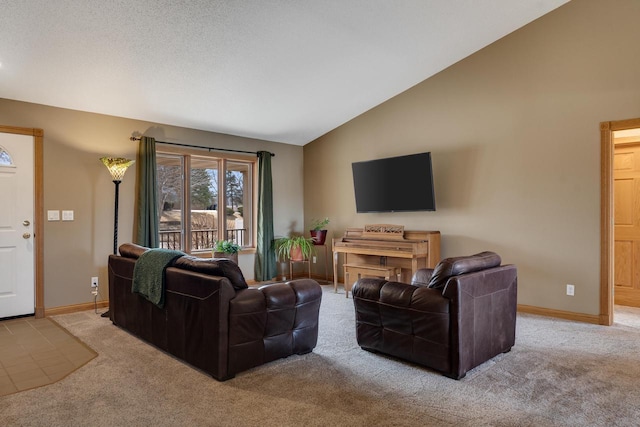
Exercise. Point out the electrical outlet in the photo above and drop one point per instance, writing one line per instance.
(94, 282)
(314, 260)
(571, 290)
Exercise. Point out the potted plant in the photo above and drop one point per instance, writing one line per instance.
(296, 248)
(318, 230)
(226, 249)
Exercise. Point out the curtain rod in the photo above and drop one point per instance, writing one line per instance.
(133, 138)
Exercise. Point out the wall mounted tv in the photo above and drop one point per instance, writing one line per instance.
(394, 184)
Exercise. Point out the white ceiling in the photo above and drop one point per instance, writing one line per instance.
(280, 70)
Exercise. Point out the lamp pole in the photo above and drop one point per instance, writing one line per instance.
(115, 218)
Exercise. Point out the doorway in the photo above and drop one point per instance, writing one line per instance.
(22, 239)
(607, 216)
(626, 217)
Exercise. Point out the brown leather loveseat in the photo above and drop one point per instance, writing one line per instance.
(210, 318)
(451, 318)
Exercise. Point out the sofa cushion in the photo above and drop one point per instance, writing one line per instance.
(214, 267)
(460, 265)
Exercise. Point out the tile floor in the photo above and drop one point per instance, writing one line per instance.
(37, 352)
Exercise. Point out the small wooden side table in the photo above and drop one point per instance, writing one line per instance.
(291, 262)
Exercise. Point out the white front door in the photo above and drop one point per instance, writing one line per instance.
(17, 285)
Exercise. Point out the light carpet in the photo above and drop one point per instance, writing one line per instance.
(559, 373)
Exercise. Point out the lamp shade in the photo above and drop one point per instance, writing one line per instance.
(117, 166)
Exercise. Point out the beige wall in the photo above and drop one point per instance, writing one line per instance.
(74, 179)
(514, 134)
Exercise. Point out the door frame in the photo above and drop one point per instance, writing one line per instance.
(38, 211)
(606, 215)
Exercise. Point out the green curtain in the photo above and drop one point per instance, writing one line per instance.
(265, 260)
(147, 199)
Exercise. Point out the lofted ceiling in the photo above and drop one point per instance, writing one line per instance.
(280, 70)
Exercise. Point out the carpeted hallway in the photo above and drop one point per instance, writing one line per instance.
(560, 373)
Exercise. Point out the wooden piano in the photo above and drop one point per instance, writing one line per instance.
(384, 245)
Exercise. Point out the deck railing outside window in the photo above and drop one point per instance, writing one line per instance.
(200, 239)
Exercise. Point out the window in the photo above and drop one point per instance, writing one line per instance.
(5, 158)
(196, 207)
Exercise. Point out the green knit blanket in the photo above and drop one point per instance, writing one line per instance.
(148, 273)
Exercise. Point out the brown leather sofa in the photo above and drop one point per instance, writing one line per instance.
(211, 319)
(451, 318)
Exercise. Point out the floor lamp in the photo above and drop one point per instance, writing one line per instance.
(117, 167)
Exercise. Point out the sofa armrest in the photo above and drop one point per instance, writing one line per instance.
(273, 321)
(293, 309)
(483, 316)
(131, 250)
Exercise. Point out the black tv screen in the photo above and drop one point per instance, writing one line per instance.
(394, 184)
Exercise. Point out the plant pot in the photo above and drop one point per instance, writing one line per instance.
(232, 257)
(318, 236)
(296, 254)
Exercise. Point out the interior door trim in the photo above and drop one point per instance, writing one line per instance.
(606, 215)
(38, 211)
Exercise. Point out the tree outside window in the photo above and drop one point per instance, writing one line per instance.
(193, 221)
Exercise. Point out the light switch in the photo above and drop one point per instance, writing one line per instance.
(53, 215)
(67, 215)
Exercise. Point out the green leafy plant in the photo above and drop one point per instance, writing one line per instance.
(227, 247)
(285, 245)
(319, 224)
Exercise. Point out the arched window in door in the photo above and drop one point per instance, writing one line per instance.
(5, 158)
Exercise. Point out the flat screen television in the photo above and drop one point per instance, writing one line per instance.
(394, 184)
